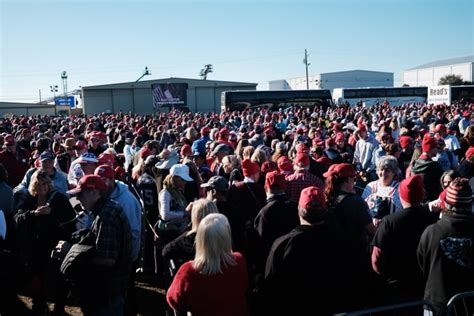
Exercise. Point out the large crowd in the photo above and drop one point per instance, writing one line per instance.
(299, 211)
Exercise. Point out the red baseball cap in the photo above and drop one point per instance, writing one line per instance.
(105, 158)
(342, 170)
(301, 160)
(80, 144)
(89, 182)
(312, 198)
(205, 130)
(105, 171)
(274, 179)
(301, 149)
(284, 164)
(441, 127)
(405, 141)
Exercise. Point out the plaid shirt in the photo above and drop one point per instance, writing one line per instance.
(113, 235)
(299, 180)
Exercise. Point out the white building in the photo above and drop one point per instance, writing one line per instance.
(429, 74)
(340, 79)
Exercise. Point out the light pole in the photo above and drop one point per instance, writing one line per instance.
(54, 89)
(64, 78)
(305, 61)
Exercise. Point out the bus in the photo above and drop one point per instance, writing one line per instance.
(371, 96)
(239, 100)
(450, 94)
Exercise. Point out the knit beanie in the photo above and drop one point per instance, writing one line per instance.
(459, 196)
(411, 189)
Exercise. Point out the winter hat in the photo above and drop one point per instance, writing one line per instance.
(411, 189)
(459, 196)
(405, 141)
(429, 142)
(249, 167)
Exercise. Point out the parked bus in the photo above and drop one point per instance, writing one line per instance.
(371, 96)
(450, 94)
(238, 100)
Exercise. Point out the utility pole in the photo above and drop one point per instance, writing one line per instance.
(305, 61)
(40, 95)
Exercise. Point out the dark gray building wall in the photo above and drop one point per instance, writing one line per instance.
(136, 97)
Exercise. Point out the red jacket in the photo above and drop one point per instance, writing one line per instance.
(16, 168)
(220, 295)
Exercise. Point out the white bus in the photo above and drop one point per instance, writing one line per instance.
(371, 96)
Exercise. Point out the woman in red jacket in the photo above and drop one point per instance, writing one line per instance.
(215, 282)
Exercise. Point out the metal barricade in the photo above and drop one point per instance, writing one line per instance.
(461, 304)
(409, 308)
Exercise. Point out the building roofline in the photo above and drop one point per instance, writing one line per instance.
(170, 78)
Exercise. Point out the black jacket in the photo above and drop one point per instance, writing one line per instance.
(277, 218)
(306, 261)
(432, 172)
(446, 257)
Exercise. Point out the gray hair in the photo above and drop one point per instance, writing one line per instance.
(388, 162)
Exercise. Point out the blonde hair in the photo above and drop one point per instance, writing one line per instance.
(259, 156)
(39, 175)
(201, 208)
(248, 152)
(233, 160)
(213, 245)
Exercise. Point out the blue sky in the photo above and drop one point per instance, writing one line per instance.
(100, 42)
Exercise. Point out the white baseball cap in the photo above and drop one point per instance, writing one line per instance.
(181, 171)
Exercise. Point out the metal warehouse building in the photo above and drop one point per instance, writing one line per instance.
(429, 74)
(146, 97)
(340, 79)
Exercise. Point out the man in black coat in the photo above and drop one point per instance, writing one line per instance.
(395, 244)
(278, 217)
(304, 271)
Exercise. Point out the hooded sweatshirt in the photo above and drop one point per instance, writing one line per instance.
(132, 209)
(431, 172)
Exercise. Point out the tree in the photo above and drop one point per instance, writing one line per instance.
(453, 80)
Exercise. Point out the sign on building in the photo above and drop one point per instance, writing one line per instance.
(439, 95)
(169, 94)
(70, 101)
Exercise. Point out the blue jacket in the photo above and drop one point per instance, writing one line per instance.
(59, 181)
(200, 144)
